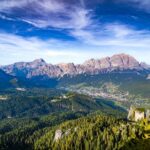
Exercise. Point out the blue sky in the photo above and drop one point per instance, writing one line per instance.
(73, 30)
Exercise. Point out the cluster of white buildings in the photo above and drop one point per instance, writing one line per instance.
(97, 92)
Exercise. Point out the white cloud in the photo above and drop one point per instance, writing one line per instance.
(48, 13)
(114, 35)
(119, 30)
(9, 4)
(15, 48)
(142, 4)
(74, 20)
(6, 18)
(95, 39)
(50, 6)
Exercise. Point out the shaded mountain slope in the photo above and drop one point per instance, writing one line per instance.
(7, 81)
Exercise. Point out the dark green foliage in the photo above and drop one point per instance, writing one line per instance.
(37, 113)
(22, 133)
(142, 144)
(32, 102)
(93, 133)
(35, 102)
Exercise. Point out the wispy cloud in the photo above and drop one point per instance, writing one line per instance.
(114, 34)
(18, 48)
(74, 20)
(7, 5)
(48, 13)
(142, 4)
(6, 18)
(93, 38)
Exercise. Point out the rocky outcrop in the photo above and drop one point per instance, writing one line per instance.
(58, 135)
(135, 114)
(131, 113)
(148, 114)
(138, 114)
(93, 66)
(69, 68)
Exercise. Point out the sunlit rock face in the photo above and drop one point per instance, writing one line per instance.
(39, 67)
(148, 114)
(58, 135)
(69, 68)
(116, 61)
(124, 61)
(131, 113)
(139, 115)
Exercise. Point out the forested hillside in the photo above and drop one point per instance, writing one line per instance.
(21, 133)
(38, 102)
(95, 131)
(92, 133)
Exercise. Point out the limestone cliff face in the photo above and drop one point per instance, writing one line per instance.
(131, 113)
(69, 68)
(148, 115)
(136, 114)
(124, 61)
(139, 115)
(93, 66)
(116, 61)
(58, 135)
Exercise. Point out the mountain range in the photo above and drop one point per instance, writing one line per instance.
(37, 98)
(39, 67)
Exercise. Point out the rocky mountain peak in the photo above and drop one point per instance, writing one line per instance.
(68, 68)
(124, 60)
(116, 61)
(93, 66)
(39, 61)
